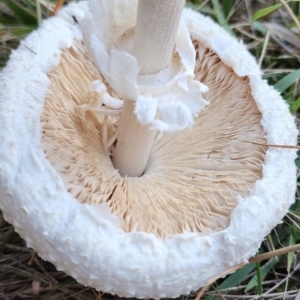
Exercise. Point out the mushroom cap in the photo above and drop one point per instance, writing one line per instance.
(193, 178)
(86, 240)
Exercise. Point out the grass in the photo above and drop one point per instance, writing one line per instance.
(270, 29)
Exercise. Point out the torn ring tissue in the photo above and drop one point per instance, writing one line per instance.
(167, 101)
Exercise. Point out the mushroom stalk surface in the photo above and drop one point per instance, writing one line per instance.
(156, 28)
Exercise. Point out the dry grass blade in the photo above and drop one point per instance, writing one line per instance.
(58, 5)
(211, 281)
(279, 283)
(286, 6)
(48, 5)
(8, 269)
(271, 254)
(264, 50)
(283, 33)
(219, 294)
(252, 260)
(274, 146)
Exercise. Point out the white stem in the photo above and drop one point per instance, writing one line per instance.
(134, 143)
(156, 27)
(157, 24)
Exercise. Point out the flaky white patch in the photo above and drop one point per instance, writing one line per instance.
(179, 100)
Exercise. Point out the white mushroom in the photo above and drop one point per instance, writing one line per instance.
(208, 195)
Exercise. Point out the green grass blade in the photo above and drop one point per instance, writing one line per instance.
(265, 11)
(7, 237)
(8, 20)
(203, 9)
(220, 15)
(240, 275)
(207, 11)
(227, 6)
(296, 105)
(290, 257)
(38, 12)
(20, 273)
(237, 277)
(259, 27)
(20, 32)
(25, 15)
(264, 272)
(287, 81)
(259, 281)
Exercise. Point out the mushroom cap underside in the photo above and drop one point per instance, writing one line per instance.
(193, 178)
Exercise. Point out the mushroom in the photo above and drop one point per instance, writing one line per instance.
(208, 194)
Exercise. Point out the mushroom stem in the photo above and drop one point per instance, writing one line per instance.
(156, 27)
(134, 143)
